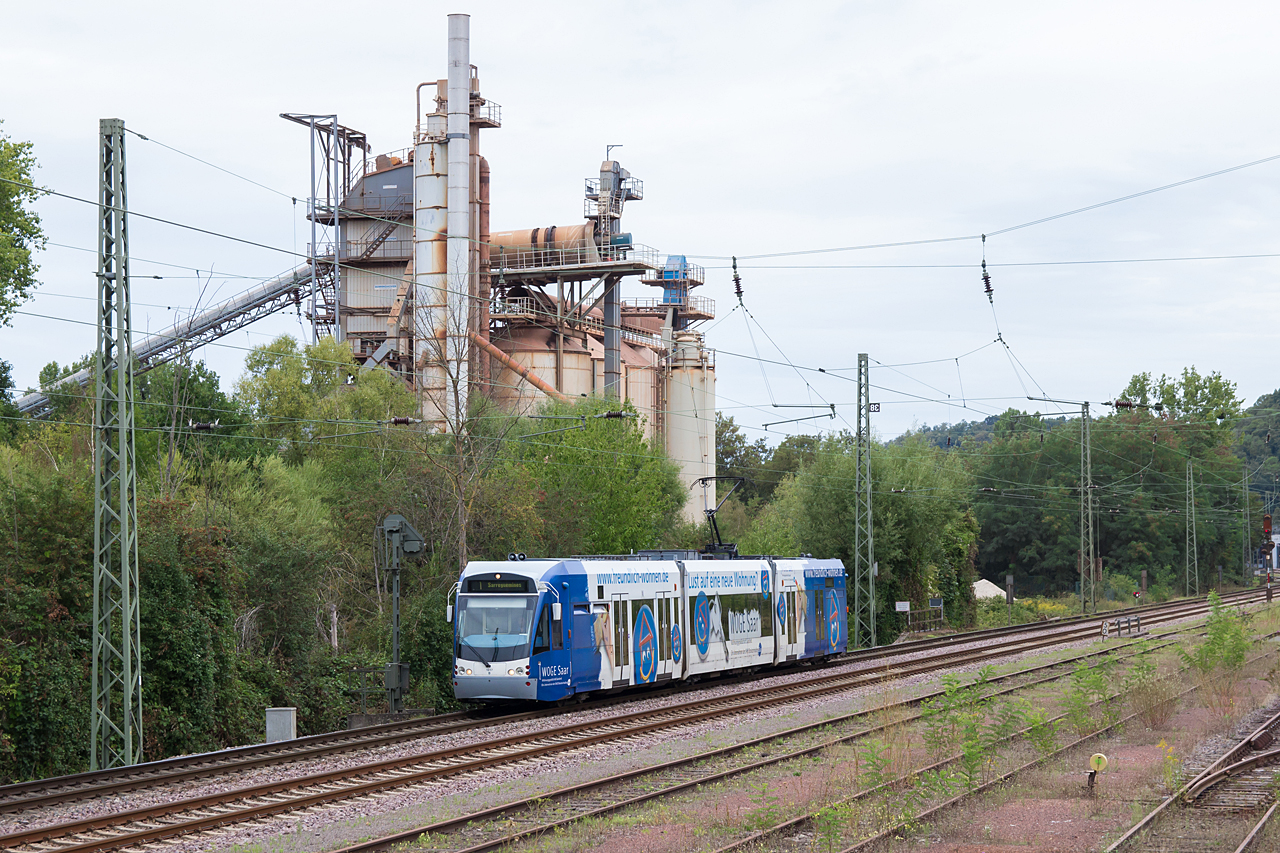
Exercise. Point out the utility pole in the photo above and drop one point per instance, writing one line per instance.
(116, 724)
(864, 566)
(1192, 549)
(1244, 532)
(1087, 594)
(1086, 477)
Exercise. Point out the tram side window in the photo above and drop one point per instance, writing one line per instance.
(541, 639)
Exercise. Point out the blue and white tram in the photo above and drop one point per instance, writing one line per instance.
(547, 630)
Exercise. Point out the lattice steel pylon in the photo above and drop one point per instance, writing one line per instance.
(1192, 578)
(863, 632)
(116, 725)
(1246, 549)
(1087, 555)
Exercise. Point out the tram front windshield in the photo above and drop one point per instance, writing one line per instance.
(494, 628)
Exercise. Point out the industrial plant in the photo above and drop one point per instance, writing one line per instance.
(404, 267)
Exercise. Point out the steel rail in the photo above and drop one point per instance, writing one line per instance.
(38, 793)
(419, 768)
(1206, 782)
(409, 770)
(26, 795)
(1230, 755)
(935, 810)
(541, 800)
(1252, 838)
(424, 767)
(795, 823)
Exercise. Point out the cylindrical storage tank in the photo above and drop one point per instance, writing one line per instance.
(691, 416)
(534, 349)
(641, 391)
(430, 269)
(577, 374)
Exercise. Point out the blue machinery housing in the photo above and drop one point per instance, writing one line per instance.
(549, 629)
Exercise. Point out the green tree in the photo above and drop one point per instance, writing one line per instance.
(1205, 405)
(20, 231)
(69, 401)
(1029, 481)
(300, 395)
(738, 457)
(9, 414)
(924, 531)
(607, 489)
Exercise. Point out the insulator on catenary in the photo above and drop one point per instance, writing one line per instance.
(737, 280)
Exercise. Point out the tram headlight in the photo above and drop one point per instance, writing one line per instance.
(511, 672)
(468, 672)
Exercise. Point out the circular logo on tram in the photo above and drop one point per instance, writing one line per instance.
(764, 583)
(833, 620)
(782, 609)
(646, 646)
(677, 647)
(702, 624)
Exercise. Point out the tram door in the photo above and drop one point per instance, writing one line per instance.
(676, 635)
(820, 621)
(788, 646)
(664, 603)
(621, 640)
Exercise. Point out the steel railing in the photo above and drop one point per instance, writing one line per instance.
(535, 258)
(528, 307)
(692, 304)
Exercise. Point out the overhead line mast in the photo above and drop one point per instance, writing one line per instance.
(864, 566)
(1088, 564)
(116, 723)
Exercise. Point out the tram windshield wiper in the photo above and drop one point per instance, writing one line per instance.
(477, 651)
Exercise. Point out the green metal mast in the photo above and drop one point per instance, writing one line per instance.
(1246, 549)
(117, 650)
(1191, 581)
(1086, 488)
(864, 567)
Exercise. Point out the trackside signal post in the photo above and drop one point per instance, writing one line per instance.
(116, 723)
(396, 538)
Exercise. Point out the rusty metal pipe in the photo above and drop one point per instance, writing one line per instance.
(524, 372)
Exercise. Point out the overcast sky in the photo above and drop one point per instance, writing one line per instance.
(757, 128)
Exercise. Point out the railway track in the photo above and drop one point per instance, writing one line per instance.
(28, 796)
(512, 823)
(197, 814)
(788, 834)
(1222, 800)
